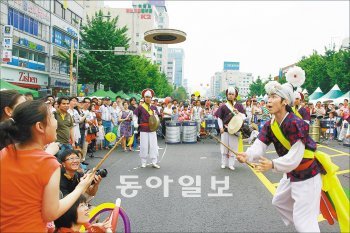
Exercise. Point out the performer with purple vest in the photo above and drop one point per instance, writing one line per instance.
(298, 194)
(298, 109)
(148, 139)
(224, 114)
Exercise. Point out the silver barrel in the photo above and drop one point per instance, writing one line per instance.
(189, 134)
(173, 129)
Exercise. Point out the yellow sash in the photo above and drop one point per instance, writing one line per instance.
(330, 181)
(240, 143)
(147, 108)
(296, 112)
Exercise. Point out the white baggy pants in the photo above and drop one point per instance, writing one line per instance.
(232, 142)
(148, 146)
(299, 202)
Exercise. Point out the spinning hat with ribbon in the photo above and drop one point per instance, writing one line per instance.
(296, 77)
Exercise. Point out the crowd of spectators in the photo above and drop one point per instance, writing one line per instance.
(44, 144)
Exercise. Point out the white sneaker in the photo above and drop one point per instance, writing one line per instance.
(155, 165)
(143, 165)
(231, 168)
(223, 166)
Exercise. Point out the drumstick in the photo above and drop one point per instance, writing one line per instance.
(108, 153)
(249, 164)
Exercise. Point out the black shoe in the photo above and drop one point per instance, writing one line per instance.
(198, 139)
(85, 163)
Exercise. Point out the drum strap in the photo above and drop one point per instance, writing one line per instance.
(296, 112)
(148, 109)
(230, 107)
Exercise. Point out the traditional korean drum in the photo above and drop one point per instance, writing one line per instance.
(314, 129)
(173, 129)
(189, 133)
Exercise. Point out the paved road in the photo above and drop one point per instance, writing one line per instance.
(246, 208)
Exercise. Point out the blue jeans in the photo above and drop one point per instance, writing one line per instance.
(107, 125)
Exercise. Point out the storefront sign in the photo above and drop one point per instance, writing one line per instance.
(28, 44)
(32, 10)
(62, 83)
(25, 77)
(72, 32)
(6, 56)
(7, 42)
(7, 30)
(146, 16)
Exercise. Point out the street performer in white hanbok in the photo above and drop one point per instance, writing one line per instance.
(298, 194)
(146, 119)
(230, 113)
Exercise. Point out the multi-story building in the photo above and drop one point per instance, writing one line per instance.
(231, 76)
(215, 84)
(178, 55)
(170, 74)
(30, 43)
(185, 85)
(143, 16)
(40, 30)
(238, 79)
(65, 20)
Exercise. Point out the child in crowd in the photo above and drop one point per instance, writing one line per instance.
(100, 135)
(207, 114)
(175, 114)
(331, 130)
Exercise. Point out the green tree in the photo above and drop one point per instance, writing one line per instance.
(257, 87)
(102, 66)
(326, 70)
(179, 94)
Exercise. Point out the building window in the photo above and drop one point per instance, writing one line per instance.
(68, 16)
(58, 9)
(41, 59)
(22, 22)
(15, 19)
(23, 54)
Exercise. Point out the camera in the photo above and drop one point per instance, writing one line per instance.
(103, 173)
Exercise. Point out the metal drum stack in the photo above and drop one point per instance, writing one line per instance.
(189, 134)
(173, 129)
(211, 125)
(314, 129)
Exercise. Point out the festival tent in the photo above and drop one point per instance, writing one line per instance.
(334, 93)
(122, 95)
(316, 94)
(111, 94)
(99, 93)
(341, 98)
(9, 86)
(136, 96)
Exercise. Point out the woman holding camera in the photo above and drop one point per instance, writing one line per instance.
(29, 175)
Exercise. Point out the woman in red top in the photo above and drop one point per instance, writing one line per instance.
(29, 175)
